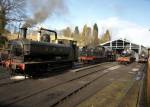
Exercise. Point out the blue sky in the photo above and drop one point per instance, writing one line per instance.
(81, 12)
(128, 19)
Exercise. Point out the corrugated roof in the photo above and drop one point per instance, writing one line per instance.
(116, 40)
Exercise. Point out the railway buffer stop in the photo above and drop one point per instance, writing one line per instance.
(119, 45)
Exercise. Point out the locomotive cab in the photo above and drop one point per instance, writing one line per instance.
(45, 38)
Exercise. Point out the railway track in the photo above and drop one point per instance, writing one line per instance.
(91, 71)
(87, 66)
(105, 71)
(9, 81)
(65, 84)
(75, 87)
(114, 94)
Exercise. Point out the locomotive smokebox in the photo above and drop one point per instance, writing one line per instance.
(23, 32)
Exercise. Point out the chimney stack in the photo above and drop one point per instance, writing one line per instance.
(23, 32)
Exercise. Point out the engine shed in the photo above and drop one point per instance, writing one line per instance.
(120, 44)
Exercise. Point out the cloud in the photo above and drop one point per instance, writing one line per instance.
(125, 29)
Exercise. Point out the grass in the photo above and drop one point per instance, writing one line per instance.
(110, 96)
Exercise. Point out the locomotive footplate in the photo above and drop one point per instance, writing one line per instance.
(33, 68)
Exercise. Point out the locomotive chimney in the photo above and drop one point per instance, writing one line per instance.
(23, 32)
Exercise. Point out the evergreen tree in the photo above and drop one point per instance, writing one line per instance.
(106, 37)
(83, 36)
(76, 34)
(76, 31)
(95, 35)
(88, 36)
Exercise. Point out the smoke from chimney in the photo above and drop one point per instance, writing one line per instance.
(42, 9)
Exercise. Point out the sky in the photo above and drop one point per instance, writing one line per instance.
(128, 19)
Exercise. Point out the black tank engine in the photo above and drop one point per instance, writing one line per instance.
(31, 57)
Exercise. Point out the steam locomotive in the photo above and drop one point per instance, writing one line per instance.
(126, 57)
(30, 57)
(96, 55)
(143, 57)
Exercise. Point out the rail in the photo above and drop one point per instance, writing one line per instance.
(62, 83)
(81, 87)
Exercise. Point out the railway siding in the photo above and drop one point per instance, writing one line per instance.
(29, 88)
(67, 90)
(122, 92)
(98, 86)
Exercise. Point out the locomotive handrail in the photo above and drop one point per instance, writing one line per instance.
(50, 31)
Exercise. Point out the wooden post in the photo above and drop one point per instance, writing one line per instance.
(148, 79)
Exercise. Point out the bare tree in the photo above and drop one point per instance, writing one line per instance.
(10, 11)
(67, 32)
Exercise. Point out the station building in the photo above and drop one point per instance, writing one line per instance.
(120, 44)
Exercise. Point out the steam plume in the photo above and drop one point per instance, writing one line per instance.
(42, 9)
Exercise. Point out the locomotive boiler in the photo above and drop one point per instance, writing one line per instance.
(31, 57)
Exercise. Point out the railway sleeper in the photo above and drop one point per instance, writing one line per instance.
(75, 91)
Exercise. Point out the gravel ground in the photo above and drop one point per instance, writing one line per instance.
(107, 91)
(23, 90)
